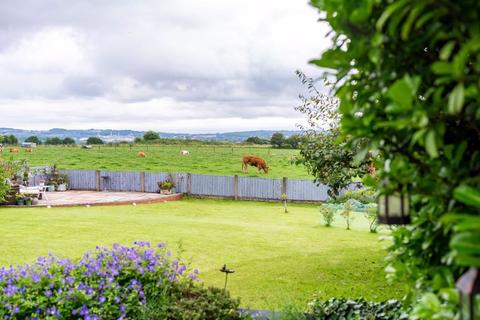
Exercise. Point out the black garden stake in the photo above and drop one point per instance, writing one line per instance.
(226, 271)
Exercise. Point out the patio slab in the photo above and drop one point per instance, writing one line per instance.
(95, 198)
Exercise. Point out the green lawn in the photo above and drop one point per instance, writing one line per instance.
(216, 160)
(279, 258)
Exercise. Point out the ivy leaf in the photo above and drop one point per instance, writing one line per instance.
(467, 195)
(456, 99)
(431, 144)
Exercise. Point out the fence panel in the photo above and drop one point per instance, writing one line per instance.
(81, 179)
(120, 181)
(259, 188)
(219, 186)
(306, 190)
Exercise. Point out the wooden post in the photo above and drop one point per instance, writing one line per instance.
(189, 183)
(284, 185)
(97, 180)
(142, 181)
(235, 187)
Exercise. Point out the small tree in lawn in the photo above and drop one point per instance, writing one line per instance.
(347, 213)
(328, 214)
(371, 214)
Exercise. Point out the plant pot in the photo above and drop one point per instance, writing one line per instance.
(62, 187)
(50, 188)
(28, 202)
(20, 202)
(34, 201)
(165, 192)
(173, 190)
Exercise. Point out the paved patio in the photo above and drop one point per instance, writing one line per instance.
(80, 198)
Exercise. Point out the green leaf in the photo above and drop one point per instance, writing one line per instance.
(388, 12)
(401, 93)
(407, 25)
(442, 67)
(467, 195)
(431, 144)
(456, 99)
(466, 243)
(446, 51)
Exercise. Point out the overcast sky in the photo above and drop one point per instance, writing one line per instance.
(166, 65)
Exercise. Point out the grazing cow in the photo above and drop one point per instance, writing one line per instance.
(253, 161)
(13, 150)
(28, 150)
(141, 154)
(184, 153)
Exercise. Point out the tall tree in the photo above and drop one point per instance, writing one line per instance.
(94, 140)
(33, 139)
(277, 140)
(151, 135)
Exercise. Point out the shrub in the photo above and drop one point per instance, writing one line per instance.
(117, 283)
(341, 308)
(364, 195)
(166, 184)
(328, 213)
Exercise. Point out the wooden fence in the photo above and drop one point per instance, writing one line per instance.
(235, 187)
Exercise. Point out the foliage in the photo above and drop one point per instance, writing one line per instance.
(151, 135)
(108, 284)
(360, 309)
(347, 213)
(33, 139)
(277, 140)
(406, 73)
(68, 141)
(189, 301)
(8, 170)
(371, 214)
(94, 140)
(56, 178)
(9, 139)
(328, 214)
(166, 184)
(256, 140)
(53, 141)
(325, 152)
(363, 195)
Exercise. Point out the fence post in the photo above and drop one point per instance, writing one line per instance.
(97, 180)
(189, 183)
(284, 186)
(235, 187)
(142, 181)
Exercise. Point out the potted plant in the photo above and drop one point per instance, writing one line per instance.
(20, 198)
(166, 186)
(62, 182)
(28, 201)
(51, 184)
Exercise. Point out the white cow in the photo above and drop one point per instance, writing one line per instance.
(184, 153)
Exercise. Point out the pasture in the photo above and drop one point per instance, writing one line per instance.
(279, 258)
(213, 160)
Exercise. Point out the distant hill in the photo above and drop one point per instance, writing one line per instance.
(109, 135)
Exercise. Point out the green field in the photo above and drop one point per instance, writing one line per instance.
(216, 160)
(279, 258)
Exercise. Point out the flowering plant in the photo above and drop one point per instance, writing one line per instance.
(105, 284)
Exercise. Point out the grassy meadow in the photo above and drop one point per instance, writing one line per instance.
(214, 160)
(279, 258)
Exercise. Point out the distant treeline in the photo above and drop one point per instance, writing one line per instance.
(278, 140)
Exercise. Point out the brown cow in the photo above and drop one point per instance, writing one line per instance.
(141, 154)
(28, 150)
(13, 150)
(254, 161)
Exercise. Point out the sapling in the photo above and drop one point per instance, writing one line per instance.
(371, 215)
(284, 202)
(347, 213)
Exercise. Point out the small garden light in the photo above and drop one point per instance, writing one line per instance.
(394, 209)
(226, 271)
(469, 286)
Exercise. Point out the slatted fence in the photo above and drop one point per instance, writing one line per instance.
(199, 185)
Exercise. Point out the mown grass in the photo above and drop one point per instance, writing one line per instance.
(216, 160)
(279, 258)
